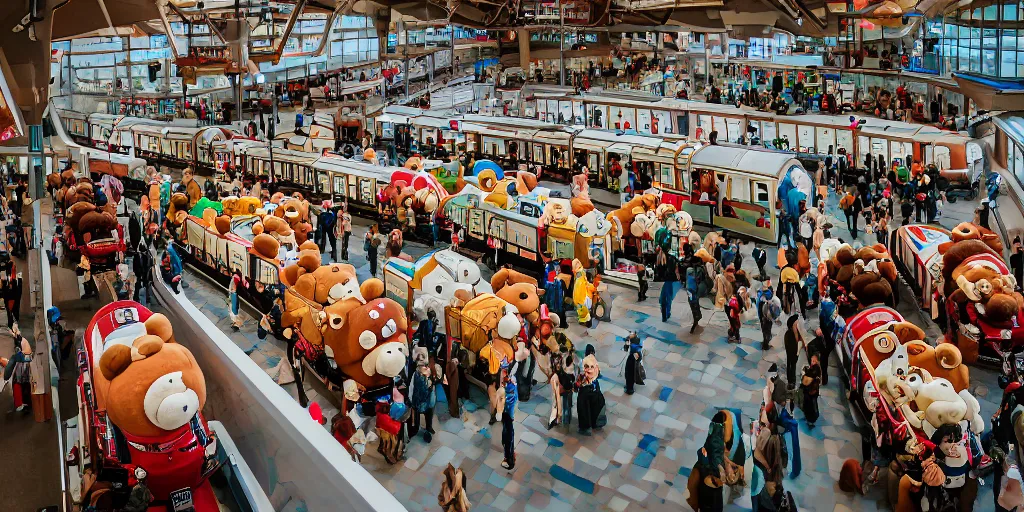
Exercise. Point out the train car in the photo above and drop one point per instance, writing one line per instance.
(101, 126)
(76, 124)
(499, 235)
(732, 188)
(121, 138)
(289, 171)
(228, 154)
(195, 464)
(359, 184)
(316, 137)
(916, 254)
(599, 148)
(218, 256)
(147, 139)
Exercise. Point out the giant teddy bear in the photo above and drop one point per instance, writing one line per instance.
(329, 316)
(622, 219)
(295, 211)
(152, 390)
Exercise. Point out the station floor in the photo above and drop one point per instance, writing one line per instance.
(642, 459)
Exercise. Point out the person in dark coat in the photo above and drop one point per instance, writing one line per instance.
(325, 229)
(634, 347)
(143, 268)
(589, 397)
(810, 385)
(11, 289)
(792, 339)
(823, 348)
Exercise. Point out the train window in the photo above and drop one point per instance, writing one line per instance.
(352, 187)
(366, 191)
(863, 150)
(788, 131)
(826, 138)
(339, 185)
(941, 157)
(538, 154)
(844, 139)
(660, 122)
(704, 185)
(761, 195)
(768, 132)
(735, 130)
(880, 147)
(309, 176)
(806, 138)
(739, 189)
(668, 176)
(643, 121)
(704, 123)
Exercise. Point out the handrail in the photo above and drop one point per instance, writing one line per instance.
(45, 287)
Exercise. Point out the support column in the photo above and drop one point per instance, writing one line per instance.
(523, 36)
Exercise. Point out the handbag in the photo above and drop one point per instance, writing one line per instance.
(641, 372)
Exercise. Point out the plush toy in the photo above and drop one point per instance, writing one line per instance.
(87, 223)
(295, 212)
(581, 206)
(152, 389)
(973, 273)
(489, 327)
(241, 205)
(265, 246)
(582, 293)
(521, 291)
(622, 218)
(971, 231)
(368, 340)
(177, 209)
(871, 288)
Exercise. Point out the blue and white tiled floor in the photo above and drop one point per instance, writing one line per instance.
(642, 459)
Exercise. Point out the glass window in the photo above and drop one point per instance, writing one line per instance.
(988, 63)
(788, 131)
(826, 139)
(1008, 64)
(1018, 163)
(806, 138)
(761, 195)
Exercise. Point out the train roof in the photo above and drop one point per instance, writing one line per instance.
(283, 155)
(354, 168)
(769, 164)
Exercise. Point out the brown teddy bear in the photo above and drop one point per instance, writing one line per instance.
(973, 273)
(971, 231)
(368, 340)
(266, 246)
(521, 291)
(178, 207)
(152, 388)
(312, 286)
(87, 223)
(871, 288)
(192, 188)
(295, 211)
(622, 218)
(944, 360)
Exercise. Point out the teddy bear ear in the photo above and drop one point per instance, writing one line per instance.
(115, 360)
(372, 288)
(309, 245)
(159, 325)
(148, 345)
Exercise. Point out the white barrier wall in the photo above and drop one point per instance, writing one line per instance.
(296, 461)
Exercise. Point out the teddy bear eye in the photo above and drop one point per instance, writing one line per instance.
(374, 314)
(438, 288)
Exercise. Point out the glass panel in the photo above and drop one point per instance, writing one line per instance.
(826, 139)
(735, 130)
(806, 138)
(988, 63)
(1018, 163)
(1008, 64)
(788, 132)
(844, 139)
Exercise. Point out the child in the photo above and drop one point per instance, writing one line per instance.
(456, 231)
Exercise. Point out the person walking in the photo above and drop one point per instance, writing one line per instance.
(810, 384)
(143, 263)
(508, 434)
(18, 372)
(635, 348)
(792, 339)
(370, 245)
(12, 299)
(823, 348)
(346, 230)
(236, 283)
(325, 229)
(667, 295)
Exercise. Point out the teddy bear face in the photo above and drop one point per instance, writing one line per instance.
(523, 296)
(369, 341)
(152, 386)
(870, 288)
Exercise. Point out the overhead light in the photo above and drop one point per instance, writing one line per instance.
(800, 21)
